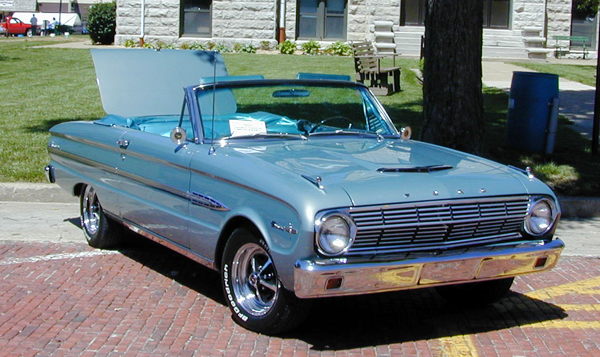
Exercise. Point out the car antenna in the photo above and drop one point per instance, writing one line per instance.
(212, 130)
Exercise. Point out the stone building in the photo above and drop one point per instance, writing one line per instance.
(512, 28)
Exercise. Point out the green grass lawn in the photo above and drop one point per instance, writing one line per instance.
(585, 74)
(41, 87)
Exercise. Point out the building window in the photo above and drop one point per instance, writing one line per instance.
(321, 19)
(584, 21)
(412, 13)
(197, 18)
(496, 13)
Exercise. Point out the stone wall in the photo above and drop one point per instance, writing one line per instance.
(233, 21)
(533, 13)
(255, 21)
(559, 18)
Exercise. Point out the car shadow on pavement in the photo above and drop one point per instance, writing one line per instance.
(414, 315)
(174, 266)
(344, 323)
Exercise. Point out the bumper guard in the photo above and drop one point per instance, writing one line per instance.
(348, 276)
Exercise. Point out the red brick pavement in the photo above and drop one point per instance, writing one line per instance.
(70, 300)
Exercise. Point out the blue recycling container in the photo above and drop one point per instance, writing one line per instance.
(529, 109)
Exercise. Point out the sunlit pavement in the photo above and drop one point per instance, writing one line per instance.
(64, 298)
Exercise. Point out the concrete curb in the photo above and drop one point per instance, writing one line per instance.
(572, 207)
(34, 192)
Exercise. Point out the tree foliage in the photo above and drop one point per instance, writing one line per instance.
(102, 22)
(452, 97)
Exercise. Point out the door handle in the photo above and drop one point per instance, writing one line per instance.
(123, 144)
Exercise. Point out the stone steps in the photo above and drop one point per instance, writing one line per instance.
(496, 43)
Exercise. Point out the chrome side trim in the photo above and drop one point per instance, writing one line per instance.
(199, 199)
(413, 271)
(167, 243)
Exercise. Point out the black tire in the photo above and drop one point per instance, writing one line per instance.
(478, 294)
(252, 287)
(98, 229)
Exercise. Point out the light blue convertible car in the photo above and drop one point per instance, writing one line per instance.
(293, 189)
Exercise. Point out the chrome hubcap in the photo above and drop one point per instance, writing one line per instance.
(90, 211)
(254, 280)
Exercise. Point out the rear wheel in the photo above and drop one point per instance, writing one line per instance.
(98, 229)
(479, 293)
(252, 288)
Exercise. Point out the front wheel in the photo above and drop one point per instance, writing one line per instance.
(478, 293)
(252, 288)
(99, 231)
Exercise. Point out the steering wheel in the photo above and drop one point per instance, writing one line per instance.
(337, 117)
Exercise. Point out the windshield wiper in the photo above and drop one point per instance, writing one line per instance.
(268, 136)
(349, 133)
(426, 169)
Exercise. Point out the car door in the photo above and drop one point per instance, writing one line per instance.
(155, 180)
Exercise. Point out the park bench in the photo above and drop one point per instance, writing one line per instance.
(367, 64)
(574, 41)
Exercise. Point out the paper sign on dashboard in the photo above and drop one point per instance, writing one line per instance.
(247, 127)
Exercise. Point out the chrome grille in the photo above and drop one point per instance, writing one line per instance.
(437, 225)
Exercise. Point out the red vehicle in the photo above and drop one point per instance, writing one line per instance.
(14, 26)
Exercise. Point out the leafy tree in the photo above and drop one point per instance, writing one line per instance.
(452, 97)
(102, 22)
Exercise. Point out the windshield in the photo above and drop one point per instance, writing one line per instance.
(291, 109)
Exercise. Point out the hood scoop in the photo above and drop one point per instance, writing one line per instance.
(424, 169)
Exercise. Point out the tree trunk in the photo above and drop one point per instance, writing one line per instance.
(452, 99)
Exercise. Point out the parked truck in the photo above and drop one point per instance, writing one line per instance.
(14, 26)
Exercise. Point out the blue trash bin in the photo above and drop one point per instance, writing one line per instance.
(530, 111)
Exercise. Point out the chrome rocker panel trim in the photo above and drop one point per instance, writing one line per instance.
(424, 270)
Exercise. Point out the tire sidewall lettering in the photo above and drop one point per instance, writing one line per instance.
(229, 295)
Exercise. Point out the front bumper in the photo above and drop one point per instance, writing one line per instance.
(337, 277)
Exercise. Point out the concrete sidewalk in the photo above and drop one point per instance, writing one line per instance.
(576, 99)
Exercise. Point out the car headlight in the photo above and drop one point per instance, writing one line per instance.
(335, 233)
(541, 216)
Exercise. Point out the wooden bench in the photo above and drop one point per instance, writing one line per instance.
(561, 50)
(381, 80)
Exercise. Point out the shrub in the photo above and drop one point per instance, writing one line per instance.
(311, 47)
(101, 22)
(340, 48)
(221, 48)
(287, 47)
(247, 48)
(265, 45)
(131, 44)
(197, 46)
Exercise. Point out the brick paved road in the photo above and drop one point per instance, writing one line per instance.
(68, 299)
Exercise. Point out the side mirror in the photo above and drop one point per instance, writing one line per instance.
(406, 133)
(178, 135)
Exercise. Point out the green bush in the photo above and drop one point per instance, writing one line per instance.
(311, 47)
(340, 48)
(287, 47)
(131, 44)
(265, 45)
(244, 48)
(101, 22)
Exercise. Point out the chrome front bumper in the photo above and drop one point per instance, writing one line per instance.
(337, 277)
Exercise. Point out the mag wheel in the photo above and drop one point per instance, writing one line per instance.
(98, 230)
(252, 288)
(479, 293)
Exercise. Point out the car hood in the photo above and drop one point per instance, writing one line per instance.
(140, 82)
(390, 171)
